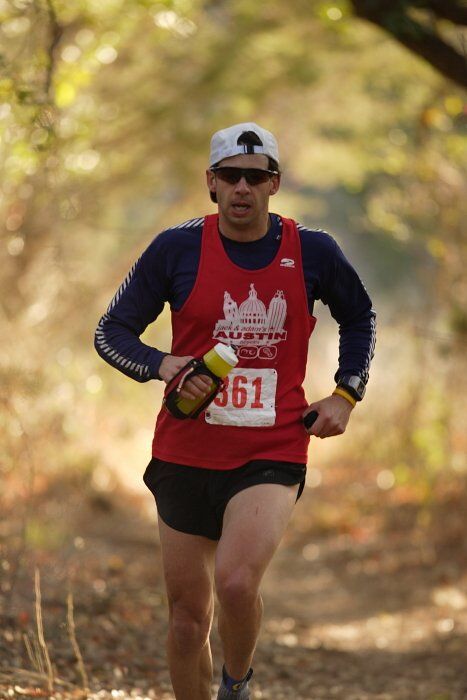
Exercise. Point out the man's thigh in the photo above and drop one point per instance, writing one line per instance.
(255, 520)
(188, 562)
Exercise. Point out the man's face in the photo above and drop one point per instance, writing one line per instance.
(242, 204)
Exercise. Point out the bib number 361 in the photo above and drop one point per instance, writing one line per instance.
(248, 399)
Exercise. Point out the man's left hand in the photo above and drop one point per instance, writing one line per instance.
(333, 416)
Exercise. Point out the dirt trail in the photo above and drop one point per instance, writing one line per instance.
(345, 619)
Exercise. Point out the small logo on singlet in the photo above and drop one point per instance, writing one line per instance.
(287, 262)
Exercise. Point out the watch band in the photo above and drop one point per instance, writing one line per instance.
(339, 391)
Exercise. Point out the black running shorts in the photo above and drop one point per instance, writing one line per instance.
(193, 499)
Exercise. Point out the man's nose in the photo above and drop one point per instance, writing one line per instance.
(242, 185)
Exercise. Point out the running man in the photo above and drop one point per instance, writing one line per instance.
(225, 484)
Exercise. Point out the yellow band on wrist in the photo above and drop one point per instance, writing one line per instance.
(339, 391)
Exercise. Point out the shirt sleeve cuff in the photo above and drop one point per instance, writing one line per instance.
(156, 363)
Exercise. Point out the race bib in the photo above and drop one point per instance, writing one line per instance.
(247, 400)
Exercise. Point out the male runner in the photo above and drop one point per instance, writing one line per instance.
(226, 483)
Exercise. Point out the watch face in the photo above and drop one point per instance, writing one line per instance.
(354, 384)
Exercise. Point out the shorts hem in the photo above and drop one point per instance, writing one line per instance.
(186, 532)
(242, 487)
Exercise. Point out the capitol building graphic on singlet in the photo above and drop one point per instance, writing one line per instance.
(251, 323)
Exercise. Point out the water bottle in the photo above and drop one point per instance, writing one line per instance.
(216, 364)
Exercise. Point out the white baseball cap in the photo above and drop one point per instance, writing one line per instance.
(225, 143)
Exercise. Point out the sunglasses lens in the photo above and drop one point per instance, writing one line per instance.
(230, 175)
(253, 176)
(256, 177)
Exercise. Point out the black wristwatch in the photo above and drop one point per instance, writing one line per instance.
(353, 385)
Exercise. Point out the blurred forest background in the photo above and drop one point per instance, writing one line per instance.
(106, 111)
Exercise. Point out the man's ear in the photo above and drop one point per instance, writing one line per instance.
(275, 184)
(211, 181)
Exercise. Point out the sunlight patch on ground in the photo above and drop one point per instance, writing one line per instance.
(390, 631)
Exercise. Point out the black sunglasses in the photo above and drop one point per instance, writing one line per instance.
(253, 176)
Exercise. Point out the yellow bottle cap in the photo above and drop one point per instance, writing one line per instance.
(220, 359)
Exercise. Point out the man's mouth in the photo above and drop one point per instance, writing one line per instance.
(240, 207)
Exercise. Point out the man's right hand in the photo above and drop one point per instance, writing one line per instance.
(193, 388)
(170, 365)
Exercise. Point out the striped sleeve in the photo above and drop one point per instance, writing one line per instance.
(137, 303)
(113, 338)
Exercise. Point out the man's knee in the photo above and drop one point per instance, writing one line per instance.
(189, 627)
(237, 590)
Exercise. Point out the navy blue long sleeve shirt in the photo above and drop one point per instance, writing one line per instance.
(166, 273)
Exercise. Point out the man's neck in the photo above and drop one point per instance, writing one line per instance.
(247, 233)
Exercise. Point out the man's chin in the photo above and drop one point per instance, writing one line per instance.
(241, 218)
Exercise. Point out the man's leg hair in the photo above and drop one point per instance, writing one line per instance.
(188, 569)
(254, 523)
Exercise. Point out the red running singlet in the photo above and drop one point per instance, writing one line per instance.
(264, 315)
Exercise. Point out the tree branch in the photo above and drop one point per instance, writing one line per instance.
(55, 36)
(447, 9)
(418, 38)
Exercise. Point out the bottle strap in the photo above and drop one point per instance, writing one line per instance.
(174, 387)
